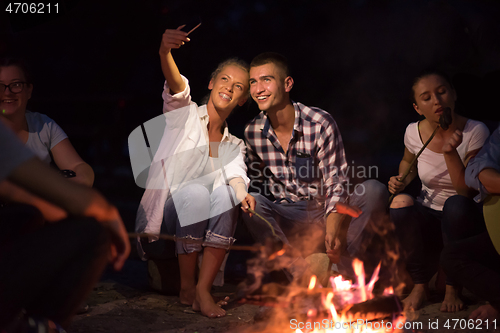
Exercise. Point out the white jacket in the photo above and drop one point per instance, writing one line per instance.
(181, 154)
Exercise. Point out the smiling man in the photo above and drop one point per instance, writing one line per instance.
(300, 150)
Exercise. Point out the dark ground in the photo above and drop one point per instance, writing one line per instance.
(124, 303)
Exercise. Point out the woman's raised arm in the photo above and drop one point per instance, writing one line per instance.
(172, 39)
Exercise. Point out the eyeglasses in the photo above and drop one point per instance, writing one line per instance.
(14, 87)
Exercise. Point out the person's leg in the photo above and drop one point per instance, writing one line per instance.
(297, 224)
(218, 238)
(16, 218)
(367, 235)
(210, 265)
(419, 232)
(50, 271)
(190, 199)
(407, 229)
(462, 218)
(475, 264)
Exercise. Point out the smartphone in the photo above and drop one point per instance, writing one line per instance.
(192, 24)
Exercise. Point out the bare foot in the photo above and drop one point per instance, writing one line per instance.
(417, 297)
(205, 303)
(187, 296)
(451, 302)
(485, 312)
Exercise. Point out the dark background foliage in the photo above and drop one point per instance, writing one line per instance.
(97, 73)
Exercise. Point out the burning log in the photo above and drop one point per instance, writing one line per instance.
(378, 308)
(301, 304)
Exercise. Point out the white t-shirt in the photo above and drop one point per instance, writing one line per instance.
(432, 170)
(44, 134)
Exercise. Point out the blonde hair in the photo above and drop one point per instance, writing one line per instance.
(230, 62)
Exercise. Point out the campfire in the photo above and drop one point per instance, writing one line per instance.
(343, 306)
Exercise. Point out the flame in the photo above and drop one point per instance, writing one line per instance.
(277, 254)
(374, 278)
(360, 273)
(389, 291)
(328, 300)
(312, 283)
(339, 284)
(280, 252)
(340, 321)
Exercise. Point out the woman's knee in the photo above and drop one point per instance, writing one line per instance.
(223, 202)
(190, 205)
(401, 201)
(223, 195)
(192, 195)
(461, 218)
(458, 206)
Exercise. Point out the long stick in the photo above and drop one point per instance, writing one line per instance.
(199, 241)
(414, 161)
(193, 241)
(263, 219)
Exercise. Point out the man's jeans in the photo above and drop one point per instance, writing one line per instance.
(290, 219)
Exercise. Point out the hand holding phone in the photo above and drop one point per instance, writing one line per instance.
(172, 39)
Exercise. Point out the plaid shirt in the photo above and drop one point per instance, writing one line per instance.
(314, 165)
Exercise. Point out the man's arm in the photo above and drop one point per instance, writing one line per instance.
(39, 179)
(482, 170)
(333, 165)
(490, 178)
(10, 192)
(255, 165)
(332, 241)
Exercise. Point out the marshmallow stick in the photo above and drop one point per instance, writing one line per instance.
(195, 241)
